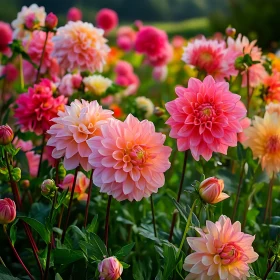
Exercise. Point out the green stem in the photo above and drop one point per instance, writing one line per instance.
(153, 215)
(69, 205)
(178, 196)
(248, 92)
(42, 153)
(186, 229)
(269, 199)
(107, 220)
(88, 198)
(21, 72)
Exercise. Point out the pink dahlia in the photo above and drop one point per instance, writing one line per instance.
(69, 84)
(242, 46)
(210, 56)
(79, 122)
(6, 37)
(129, 159)
(123, 68)
(126, 37)
(82, 183)
(151, 41)
(74, 14)
(37, 107)
(107, 19)
(10, 72)
(80, 45)
(205, 117)
(224, 252)
(35, 47)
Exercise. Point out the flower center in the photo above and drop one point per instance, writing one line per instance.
(138, 155)
(229, 253)
(273, 144)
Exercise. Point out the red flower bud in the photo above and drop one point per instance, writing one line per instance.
(6, 135)
(7, 211)
(51, 21)
(110, 269)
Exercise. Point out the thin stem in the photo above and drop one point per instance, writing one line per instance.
(88, 198)
(21, 72)
(50, 243)
(248, 91)
(60, 216)
(186, 229)
(269, 199)
(16, 253)
(107, 220)
(178, 196)
(70, 205)
(269, 269)
(153, 215)
(42, 57)
(42, 153)
(2, 262)
(56, 171)
(238, 190)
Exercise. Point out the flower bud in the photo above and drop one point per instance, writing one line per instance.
(16, 174)
(61, 171)
(159, 111)
(48, 187)
(239, 64)
(51, 21)
(6, 135)
(160, 73)
(110, 269)
(7, 211)
(31, 22)
(76, 80)
(210, 190)
(230, 31)
(25, 184)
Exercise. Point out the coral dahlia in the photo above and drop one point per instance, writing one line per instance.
(224, 252)
(205, 117)
(264, 141)
(129, 159)
(80, 121)
(80, 45)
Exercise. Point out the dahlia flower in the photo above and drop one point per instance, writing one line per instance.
(224, 252)
(123, 68)
(160, 73)
(74, 14)
(19, 23)
(273, 108)
(272, 84)
(205, 117)
(34, 47)
(129, 159)
(80, 45)
(242, 46)
(82, 183)
(107, 19)
(264, 141)
(151, 41)
(126, 37)
(6, 37)
(79, 122)
(145, 104)
(69, 84)
(10, 72)
(97, 84)
(37, 107)
(210, 56)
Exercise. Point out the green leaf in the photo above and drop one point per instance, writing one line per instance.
(13, 232)
(276, 276)
(92, 225)
(58, 277)
(66, 256)
(94, 248)
(169, 253)
(159, 276)
(124, 251)
(180, 208)
(5, 274)
(76, 230)
(37, 226)
(61, 198)
(125, 265)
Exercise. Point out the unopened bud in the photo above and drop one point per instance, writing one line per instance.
(6, 135)
(51, 21)
(230, 31)
(48, 187)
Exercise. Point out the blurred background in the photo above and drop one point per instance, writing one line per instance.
(258, 19)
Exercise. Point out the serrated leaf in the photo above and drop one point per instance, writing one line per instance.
(37, 226)
(124, 251)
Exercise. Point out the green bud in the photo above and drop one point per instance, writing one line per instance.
(16, 174)
(61, 171)
(239, 64)
(48, 187)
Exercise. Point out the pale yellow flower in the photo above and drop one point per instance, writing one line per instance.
(97, 84)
